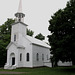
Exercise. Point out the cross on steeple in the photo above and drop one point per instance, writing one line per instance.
(19, 15)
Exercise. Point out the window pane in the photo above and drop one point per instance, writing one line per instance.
(37, 57)
(42, 57)
(21, 57)
(14, 37)
(27, 56)
(47, 57)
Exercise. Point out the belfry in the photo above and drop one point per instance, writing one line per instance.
(19, 15)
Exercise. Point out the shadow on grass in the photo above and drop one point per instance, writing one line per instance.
(66, 69)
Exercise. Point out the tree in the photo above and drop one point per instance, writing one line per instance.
(5, 31)
(62, 39)
(40, 36)
(30, 32)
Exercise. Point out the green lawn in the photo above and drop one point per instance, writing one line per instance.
(45, 71)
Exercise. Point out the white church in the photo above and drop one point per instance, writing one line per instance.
(23, 50)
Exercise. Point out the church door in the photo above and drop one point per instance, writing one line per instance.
(13, 60)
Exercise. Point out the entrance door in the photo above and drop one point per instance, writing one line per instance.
(13, 60)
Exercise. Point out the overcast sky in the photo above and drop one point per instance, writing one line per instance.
(38, 12)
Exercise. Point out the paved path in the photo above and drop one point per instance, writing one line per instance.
(6, 72)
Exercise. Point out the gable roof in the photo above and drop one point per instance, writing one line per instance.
(19, 22)
(18, 46)
(37, 42)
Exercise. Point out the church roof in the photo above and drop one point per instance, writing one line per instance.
(20, 7)
(17, 45)
(19, 22)
(32, 40)
(37, 42)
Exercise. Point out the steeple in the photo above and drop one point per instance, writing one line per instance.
(19, 15)
(20, 7)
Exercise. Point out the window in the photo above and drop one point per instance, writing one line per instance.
(14, 37)
(37, 57)
(21, 57)
(47, 57)
(42, 57)
(19, 20)
(27, 56)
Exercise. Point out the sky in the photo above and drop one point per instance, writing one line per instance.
(37, 12)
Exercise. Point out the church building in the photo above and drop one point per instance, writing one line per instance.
(23, 50)
(26, 51)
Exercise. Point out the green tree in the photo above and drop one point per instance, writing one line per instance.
(5, 31)
(62, 39)
(40, 36)
(30, 32)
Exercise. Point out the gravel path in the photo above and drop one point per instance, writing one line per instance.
(6, 72)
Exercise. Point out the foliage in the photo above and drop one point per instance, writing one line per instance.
(5, 31)
(62, 39)
(30, 32)
(40, 36)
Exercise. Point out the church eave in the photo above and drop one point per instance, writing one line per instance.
(19, 22)
(21, 47)
(19, 13)
(37, 42)
(41, 45)
(18, 46)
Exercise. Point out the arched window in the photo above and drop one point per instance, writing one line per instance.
(19, 20)
(20, 56)
(42, 57)
(14, 37)
(47, 57)
(37, 57)
(27, 56)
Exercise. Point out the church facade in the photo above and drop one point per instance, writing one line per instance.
(25, 51)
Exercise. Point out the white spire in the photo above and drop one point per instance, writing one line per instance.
(20, 7)
(19, 15)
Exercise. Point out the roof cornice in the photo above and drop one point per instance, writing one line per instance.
(19, 22)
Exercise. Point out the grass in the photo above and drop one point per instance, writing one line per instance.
(44, 71)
